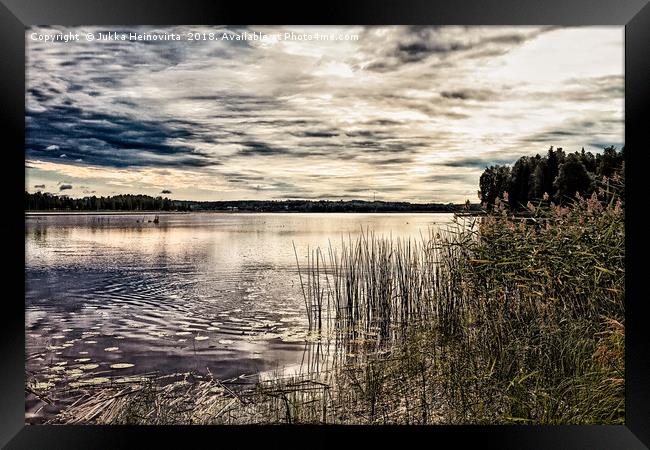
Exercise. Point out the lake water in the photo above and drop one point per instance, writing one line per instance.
(199, 291)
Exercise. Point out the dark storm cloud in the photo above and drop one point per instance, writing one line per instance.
(469, 94)
(478, 162)
(387, 145)
(384, 122)
(368, 134)
(553, 137)
(317, 134)
(416, 43)
(38, 94)
(109, 140)
(256, 148)
(601, 144)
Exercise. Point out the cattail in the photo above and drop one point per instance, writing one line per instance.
(618, 208)
(530, 207)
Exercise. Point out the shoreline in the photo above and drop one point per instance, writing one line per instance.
(101, 213)
(163, 213)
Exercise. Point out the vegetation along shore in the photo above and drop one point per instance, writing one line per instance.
(512, 317)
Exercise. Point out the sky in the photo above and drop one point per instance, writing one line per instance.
(394, 113)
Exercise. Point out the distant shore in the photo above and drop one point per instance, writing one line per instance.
(101, 213)
(138, 204)
(166, 213)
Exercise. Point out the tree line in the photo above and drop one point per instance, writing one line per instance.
(128, 202)
(325, 206)
(556, 176)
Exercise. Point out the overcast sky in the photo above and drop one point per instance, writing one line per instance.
(403, 113)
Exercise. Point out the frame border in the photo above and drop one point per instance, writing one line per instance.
(16, 15)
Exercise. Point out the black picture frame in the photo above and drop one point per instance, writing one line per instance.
(16, 15)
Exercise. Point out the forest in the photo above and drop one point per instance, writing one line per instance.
(555, 177)
(49, 202)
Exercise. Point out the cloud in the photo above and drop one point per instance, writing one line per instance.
(112, 140)
(480, 162)
(165, 191)
(390, 161)
(254, 148)
(469, 94)
(39, 186)
(236, 119)
(64, 187)
(414, 44)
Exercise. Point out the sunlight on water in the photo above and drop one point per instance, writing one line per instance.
(218, 292)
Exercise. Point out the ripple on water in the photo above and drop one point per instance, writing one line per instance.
(158, 291)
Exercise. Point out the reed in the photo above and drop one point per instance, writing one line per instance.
(497, 319)
(512, 316)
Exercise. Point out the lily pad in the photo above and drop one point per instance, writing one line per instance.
(132, 379)
(89, 382)
(121, 366)
(41, 386)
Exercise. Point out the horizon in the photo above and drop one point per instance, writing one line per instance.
(252, 200)
(390, 115)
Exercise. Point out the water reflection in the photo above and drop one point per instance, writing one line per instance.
(217, 292)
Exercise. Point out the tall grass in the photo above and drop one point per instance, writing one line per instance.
(497, 319)
(514, 319)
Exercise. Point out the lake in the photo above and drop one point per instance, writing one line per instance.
(194, 292)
